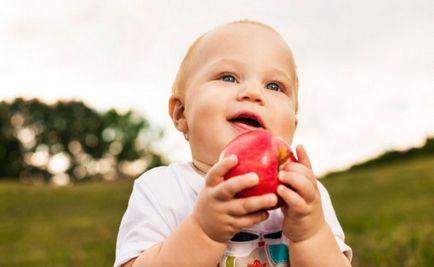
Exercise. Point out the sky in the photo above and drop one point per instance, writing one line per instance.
(366, 68)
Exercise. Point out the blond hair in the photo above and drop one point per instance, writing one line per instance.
(180, 79)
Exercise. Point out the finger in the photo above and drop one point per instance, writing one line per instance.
(299, 183)
(251, 219)
(302, 156)
(216, 173)
(229, 188)
(243, 206)
(301, 169)
(293, 200)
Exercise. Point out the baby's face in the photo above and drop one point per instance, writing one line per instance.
(241, 78)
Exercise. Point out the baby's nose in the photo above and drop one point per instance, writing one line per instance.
(251, 92)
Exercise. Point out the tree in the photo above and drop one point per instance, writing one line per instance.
(70, 141)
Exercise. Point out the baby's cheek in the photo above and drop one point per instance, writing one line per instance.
(287, 132)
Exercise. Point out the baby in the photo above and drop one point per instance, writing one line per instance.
(236, 78)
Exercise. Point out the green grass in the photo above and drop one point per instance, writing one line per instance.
(386, 212)
(71, 226)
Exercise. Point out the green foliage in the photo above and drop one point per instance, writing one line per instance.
(11, 157)
(88, 139)
(386, 212)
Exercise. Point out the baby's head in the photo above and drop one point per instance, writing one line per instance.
(235, 78)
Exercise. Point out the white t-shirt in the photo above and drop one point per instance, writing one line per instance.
(161, 199)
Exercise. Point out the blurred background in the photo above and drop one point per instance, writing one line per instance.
(84, 87)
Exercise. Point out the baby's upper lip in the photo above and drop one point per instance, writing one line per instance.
(248, 115)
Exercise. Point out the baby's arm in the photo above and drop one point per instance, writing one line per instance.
(311, 241)
(200, 240)
(187, 246)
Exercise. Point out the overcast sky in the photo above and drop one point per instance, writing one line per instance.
(366, 68)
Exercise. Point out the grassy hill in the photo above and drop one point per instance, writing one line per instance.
(394, 156)
(385, 210)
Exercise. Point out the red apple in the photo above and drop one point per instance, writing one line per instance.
(261, 152)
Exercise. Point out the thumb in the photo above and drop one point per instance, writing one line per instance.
(216, 173)
(302, 156)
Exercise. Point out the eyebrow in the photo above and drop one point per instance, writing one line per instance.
(283, 74)
(227, 61)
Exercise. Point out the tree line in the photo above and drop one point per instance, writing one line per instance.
(394, 156)
(73, 142)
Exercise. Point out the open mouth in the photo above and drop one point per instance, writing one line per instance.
(250, 120)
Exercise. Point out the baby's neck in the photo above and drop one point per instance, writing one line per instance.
(201, 167)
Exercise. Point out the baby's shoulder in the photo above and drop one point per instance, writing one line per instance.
(173, 179)
(155, 178)
(169, 189)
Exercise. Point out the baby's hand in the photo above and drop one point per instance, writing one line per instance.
(219, 214)
(303, 211)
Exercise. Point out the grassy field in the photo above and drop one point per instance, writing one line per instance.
(386, 212)
(71, 226)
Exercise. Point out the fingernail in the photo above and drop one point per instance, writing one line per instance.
(232, 157)
(280, 175)
(265, 214)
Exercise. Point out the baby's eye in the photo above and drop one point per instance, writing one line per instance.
(274, 86)
(228, 78)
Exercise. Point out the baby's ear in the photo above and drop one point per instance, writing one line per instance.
(176, 112)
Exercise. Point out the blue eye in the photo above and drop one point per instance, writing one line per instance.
(228, 78)
(273, 86)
